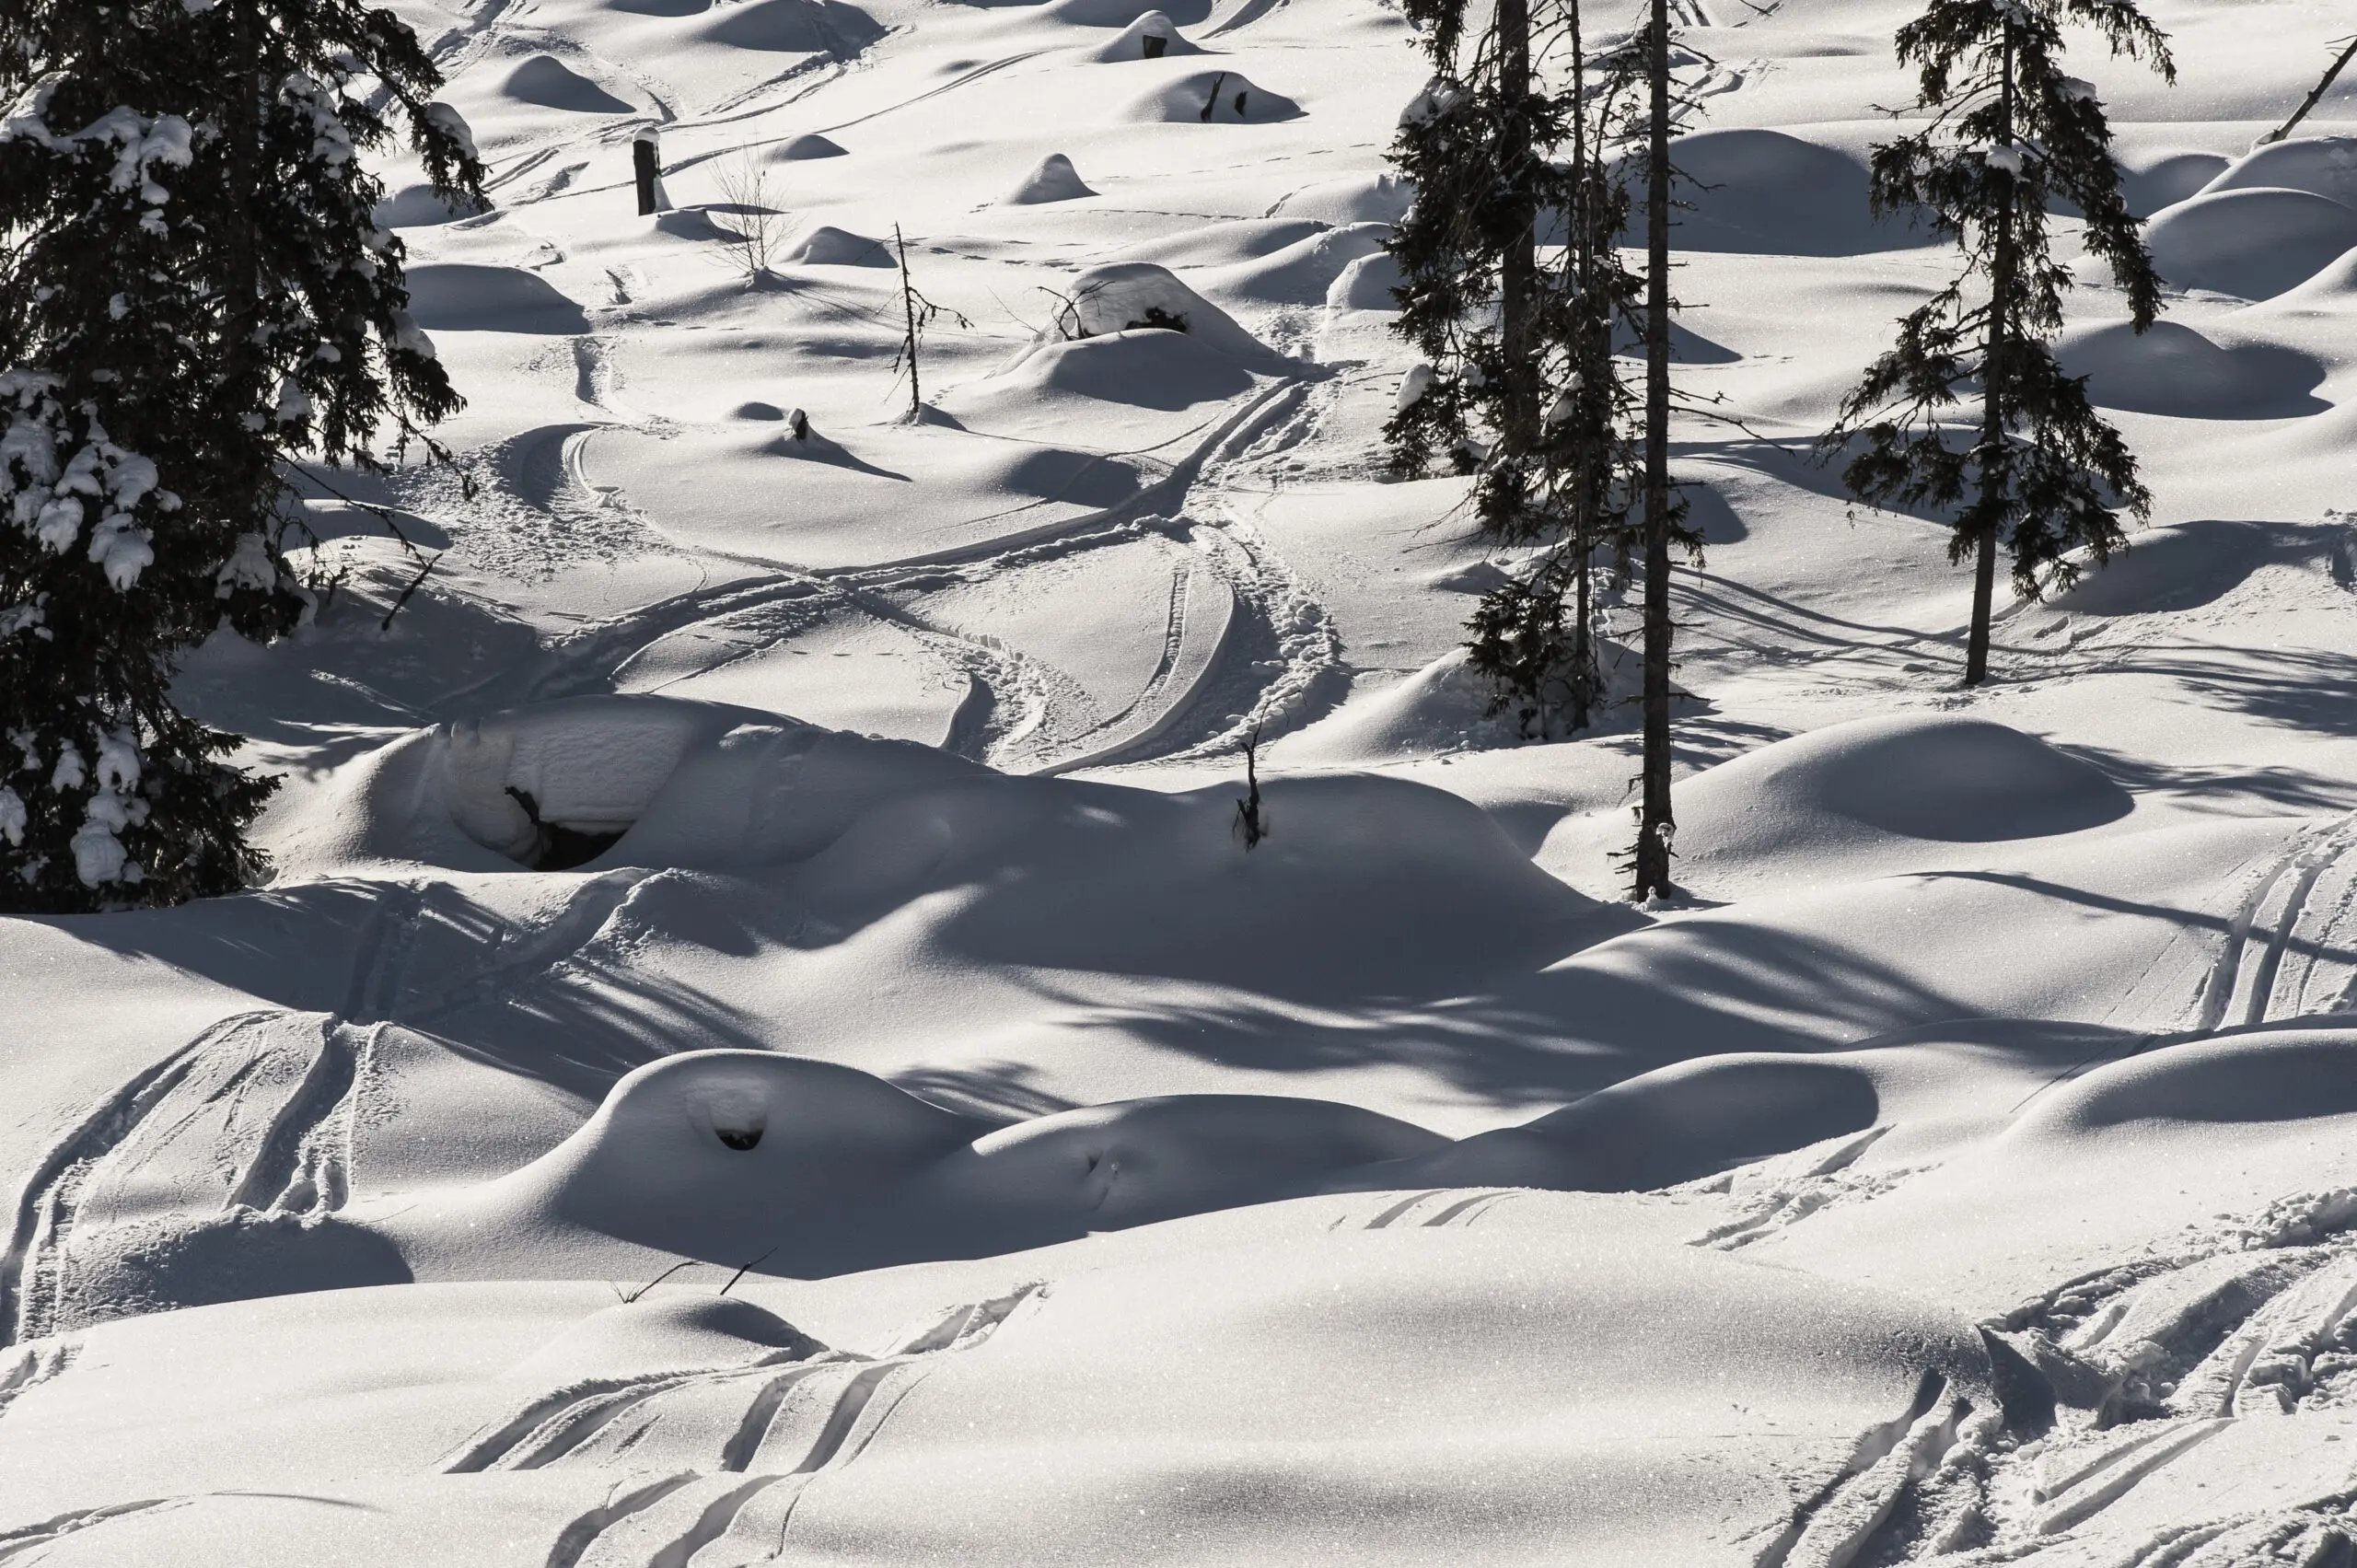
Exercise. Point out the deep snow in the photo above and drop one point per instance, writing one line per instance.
(880, 1111)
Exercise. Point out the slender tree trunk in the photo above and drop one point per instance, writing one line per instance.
(241, 264)
(909, 307)
(1581, 238)
(2331, 74)
(1990, 505)
(1656, 825)
(1518, 276)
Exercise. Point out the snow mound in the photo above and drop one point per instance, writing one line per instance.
(1851, 786)
(2165, 181)
(420, 206)
(794, 27)
(2288, 1075)
(1122, 295)
(683, 783)
(1672, 1125)
(1440, 708)
(2334, 287)
(697, 223)
(827, 246)
(1053, 180)
(1132, 42)
(1122, 13)
(1365, 198)
(802, 148)
(1223, 97)
(2322, 166)
(1222, 244)
(552, 84)
(2177, 566)
(728, 1155)
(1148, 368)
(1366, 284)
(460, 297)
(1303, 271)
(2255, 243)
(2170, 368)
(1766, 192)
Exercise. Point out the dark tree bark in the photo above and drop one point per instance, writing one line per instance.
(1655, 823)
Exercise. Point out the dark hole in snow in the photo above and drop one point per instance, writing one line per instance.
(558, 848)
(1154, 44)
(1156, 317)
(739, 1138)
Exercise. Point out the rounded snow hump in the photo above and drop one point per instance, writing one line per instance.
(550, 83)
(1771, 193)
(1121, 295)
(2253, 243)
(1211, 97)
(1052, 178)
(814, 1167)
(1153, 36)
(1846, 792)
(2171, 368)
(827, 246)
(802, 148)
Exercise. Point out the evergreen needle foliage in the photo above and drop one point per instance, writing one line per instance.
(193, 294)
(1519, 388)
(2043, 474)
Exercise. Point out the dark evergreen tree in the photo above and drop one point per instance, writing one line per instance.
(193, 294)
(1535, 634)
(1518, 388)
(2043, 474)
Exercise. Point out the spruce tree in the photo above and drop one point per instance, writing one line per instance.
(1534, 635)
(2043, 474)
(1518, 388)
(193, 294)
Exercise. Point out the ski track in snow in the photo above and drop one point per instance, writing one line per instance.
(760, 1437)
(280, 1093)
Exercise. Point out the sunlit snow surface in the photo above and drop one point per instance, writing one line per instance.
(1966, 1171)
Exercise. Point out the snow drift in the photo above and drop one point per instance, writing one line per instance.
(2255, 243)
(1052, 178)
(550, 83)
(1222, 98)
(2171, 368)
(458, 296)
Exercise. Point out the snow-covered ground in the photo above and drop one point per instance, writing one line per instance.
(1966, 1171)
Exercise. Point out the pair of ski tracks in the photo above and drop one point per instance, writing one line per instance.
(731, 1515)
(1013, 695)
(301, 1162)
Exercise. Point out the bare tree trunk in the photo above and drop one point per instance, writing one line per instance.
(2333, 74)
(1990, 502)
(242, 123)
(908, 306)
(1581, 236)
(1518, 278)
(1656, 825)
